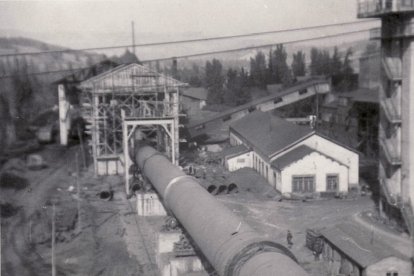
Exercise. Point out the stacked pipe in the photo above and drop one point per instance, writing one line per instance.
(229, 244)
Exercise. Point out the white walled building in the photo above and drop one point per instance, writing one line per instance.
(293, 158)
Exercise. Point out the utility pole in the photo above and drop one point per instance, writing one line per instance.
(78, 190)
(53, 241)
(133, 37)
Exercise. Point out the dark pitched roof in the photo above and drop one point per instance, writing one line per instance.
(355, 242)
(199, 93)
(234, 151)
(292, 156)
(269, 134)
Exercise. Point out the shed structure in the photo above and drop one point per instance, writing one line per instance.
(127, 103)
(350, 249)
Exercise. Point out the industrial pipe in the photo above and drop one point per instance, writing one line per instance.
(231, 246)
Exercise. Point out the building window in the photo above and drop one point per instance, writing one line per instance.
(277, 100)
(303, 91)
(303, 184)
(332, 182)
(392, 273)
(226, 118)
(240, 160)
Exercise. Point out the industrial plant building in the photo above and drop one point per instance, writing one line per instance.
(292, 158)
(396, 128)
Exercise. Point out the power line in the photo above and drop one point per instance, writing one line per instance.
(206, 53)
(188, 40)
(256, 46)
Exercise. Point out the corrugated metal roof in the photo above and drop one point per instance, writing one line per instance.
(291, 156)
(359, 244)
(290, 90)
(269, 134)
(199, 93)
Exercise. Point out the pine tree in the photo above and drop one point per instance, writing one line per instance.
(298, 64)
(258, 70)
(214, 81)
(281, 69)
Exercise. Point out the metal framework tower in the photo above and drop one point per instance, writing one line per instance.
(126, 101)
(396, 130)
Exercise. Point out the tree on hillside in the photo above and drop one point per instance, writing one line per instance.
(23, 90)
(174, 69)
(336, 63)
(270, 77)
(281, 70)
(258, 70)
(195, 78)
(214, 81)
(346, 82)
(320, 62)
(236, 92)
(298, 64)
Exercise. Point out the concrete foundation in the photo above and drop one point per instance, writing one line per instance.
(149, 204)
(166, 241)
(168, 264)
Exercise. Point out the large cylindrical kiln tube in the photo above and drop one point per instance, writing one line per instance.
(231, 246)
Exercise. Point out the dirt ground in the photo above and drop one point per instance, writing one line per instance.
(92, 244)
(108, 238)
(273, 218)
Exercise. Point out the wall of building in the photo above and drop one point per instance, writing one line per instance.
(391, 264)
(369, 71)
(407, 116)
(337, 263)
(319, 166)
(190, 105)
(240, 161)
(342, 154)
(235, 140)
(263, 167)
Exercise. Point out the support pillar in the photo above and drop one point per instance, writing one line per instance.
(64, 120)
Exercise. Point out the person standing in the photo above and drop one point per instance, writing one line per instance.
(289, 238)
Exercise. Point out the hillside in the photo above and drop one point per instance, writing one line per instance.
(23, 92)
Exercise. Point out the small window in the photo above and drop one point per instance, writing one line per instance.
(331, 183)
(240, 160)
(277, 100)
(303, 91)
(227, 118)
(392, 273)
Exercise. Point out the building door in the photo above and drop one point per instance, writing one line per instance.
(303, 184)
(332, 182)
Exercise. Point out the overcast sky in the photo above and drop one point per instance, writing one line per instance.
(79, 24)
